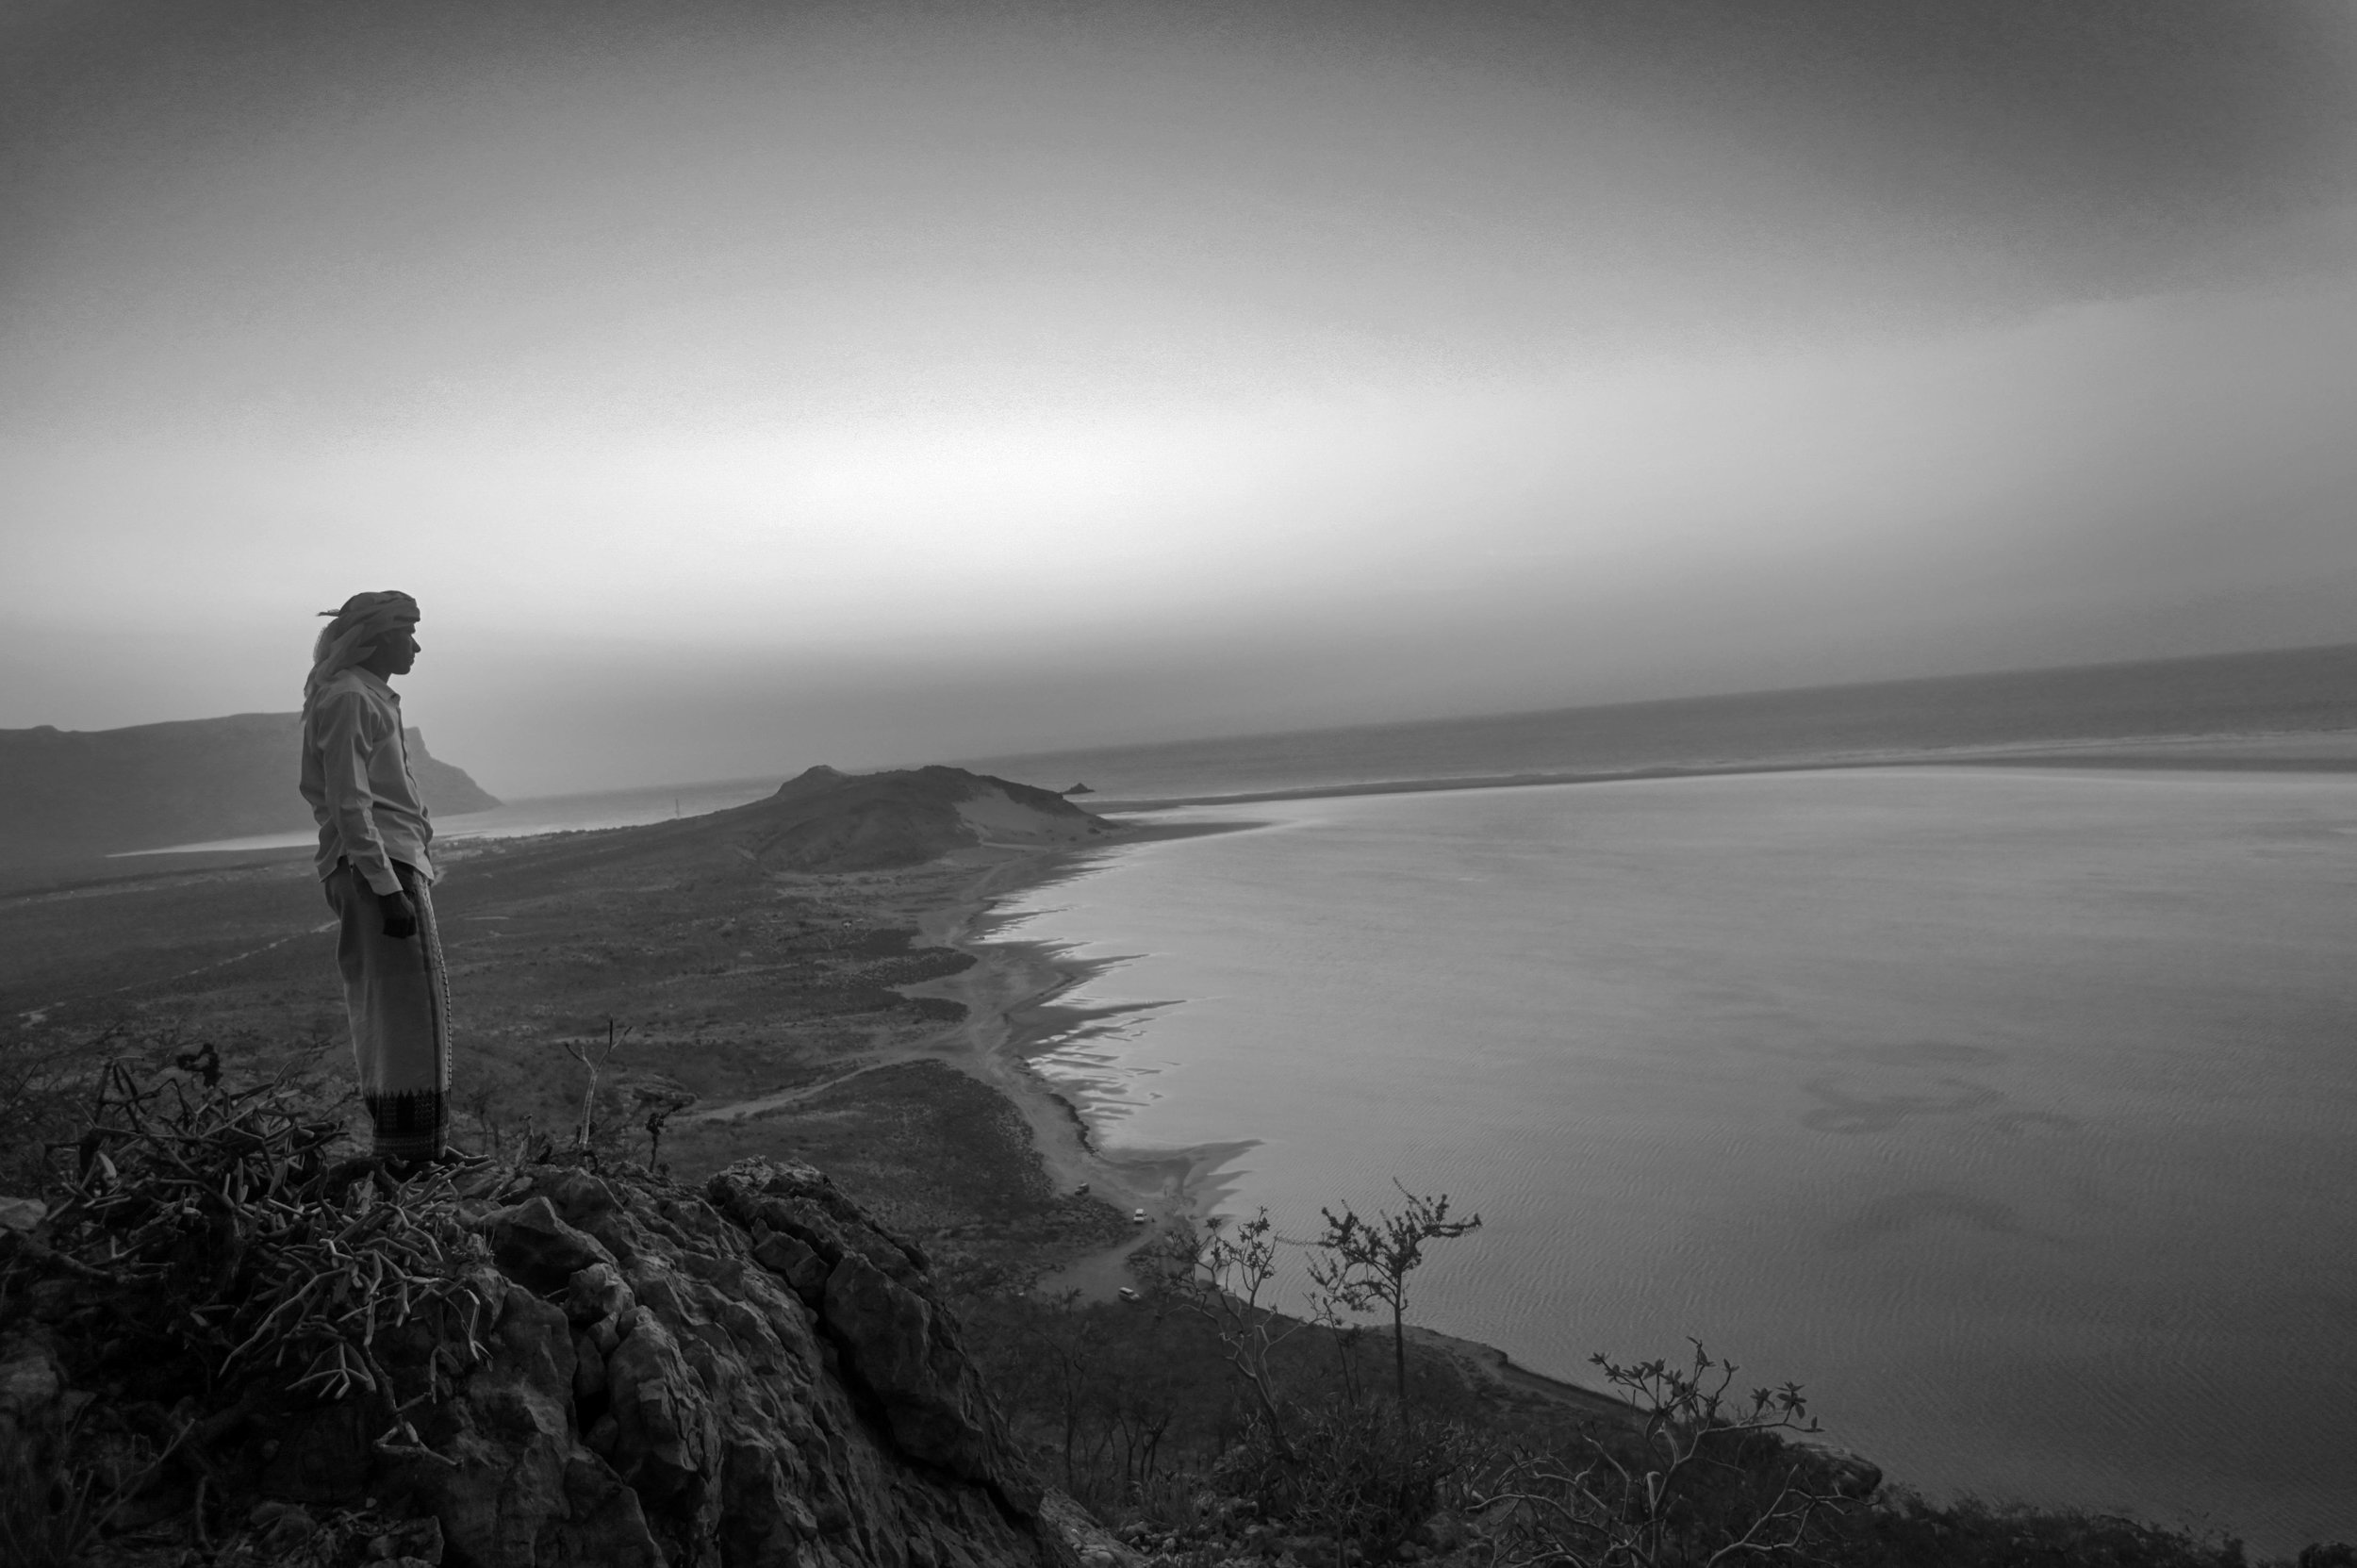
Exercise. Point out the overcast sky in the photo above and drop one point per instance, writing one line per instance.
(741, 388)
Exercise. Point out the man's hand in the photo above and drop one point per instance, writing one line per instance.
(400, 915)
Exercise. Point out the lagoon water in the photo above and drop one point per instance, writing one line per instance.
(2013, 1113)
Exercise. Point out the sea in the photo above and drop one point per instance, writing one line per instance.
(2010, 1111)
(524, 818)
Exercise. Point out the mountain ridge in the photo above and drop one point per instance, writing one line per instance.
(74, 794)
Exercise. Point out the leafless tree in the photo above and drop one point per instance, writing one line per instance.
(1642, 1505)
(1363, 1264)
(1225, 1276)
(592, 1057)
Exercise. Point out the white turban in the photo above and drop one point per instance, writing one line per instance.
(353, 632)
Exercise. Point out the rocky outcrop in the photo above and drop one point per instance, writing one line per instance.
(753, 1376)
(674, 1383)
(874, 1300)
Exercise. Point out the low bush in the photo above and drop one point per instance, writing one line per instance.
(1353, 1474)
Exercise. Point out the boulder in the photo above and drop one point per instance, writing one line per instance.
(804, 1202)
(538, 1249)
(597, 1292)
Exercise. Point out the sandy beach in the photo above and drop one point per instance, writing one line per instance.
(1011, 998)
(1014, 1013)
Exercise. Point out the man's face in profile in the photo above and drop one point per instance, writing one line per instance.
(397, 651)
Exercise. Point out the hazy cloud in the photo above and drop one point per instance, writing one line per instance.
(861, 384)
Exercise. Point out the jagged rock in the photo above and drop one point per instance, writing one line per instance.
(792, 1261)
(898, 1339)
(588, 1370)
(539, 1251)
(522, 1488)
(934, 1398)
(597, 1292)
(802, 1202)
(666, 1432)
(653, 1390)
(707, 1412)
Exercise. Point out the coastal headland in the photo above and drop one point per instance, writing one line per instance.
(819, 976)
(825, 975)
(70, 794)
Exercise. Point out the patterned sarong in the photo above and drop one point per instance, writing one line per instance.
(399, 1004)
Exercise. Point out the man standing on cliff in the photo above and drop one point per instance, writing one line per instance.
(374, 867)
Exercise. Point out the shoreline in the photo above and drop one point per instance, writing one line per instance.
(1064, 971)
(1013, 1014)
(2266, 752)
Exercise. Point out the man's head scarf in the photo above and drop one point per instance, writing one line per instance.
(353, 632)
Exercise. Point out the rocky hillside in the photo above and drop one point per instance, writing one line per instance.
(66, 794)
(549, 1367)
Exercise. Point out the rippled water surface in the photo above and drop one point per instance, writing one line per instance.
(2014, 1114)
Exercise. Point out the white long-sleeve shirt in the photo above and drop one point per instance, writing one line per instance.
(356, 775)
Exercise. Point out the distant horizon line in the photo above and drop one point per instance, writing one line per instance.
(1364, 726)
(1699, 697)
